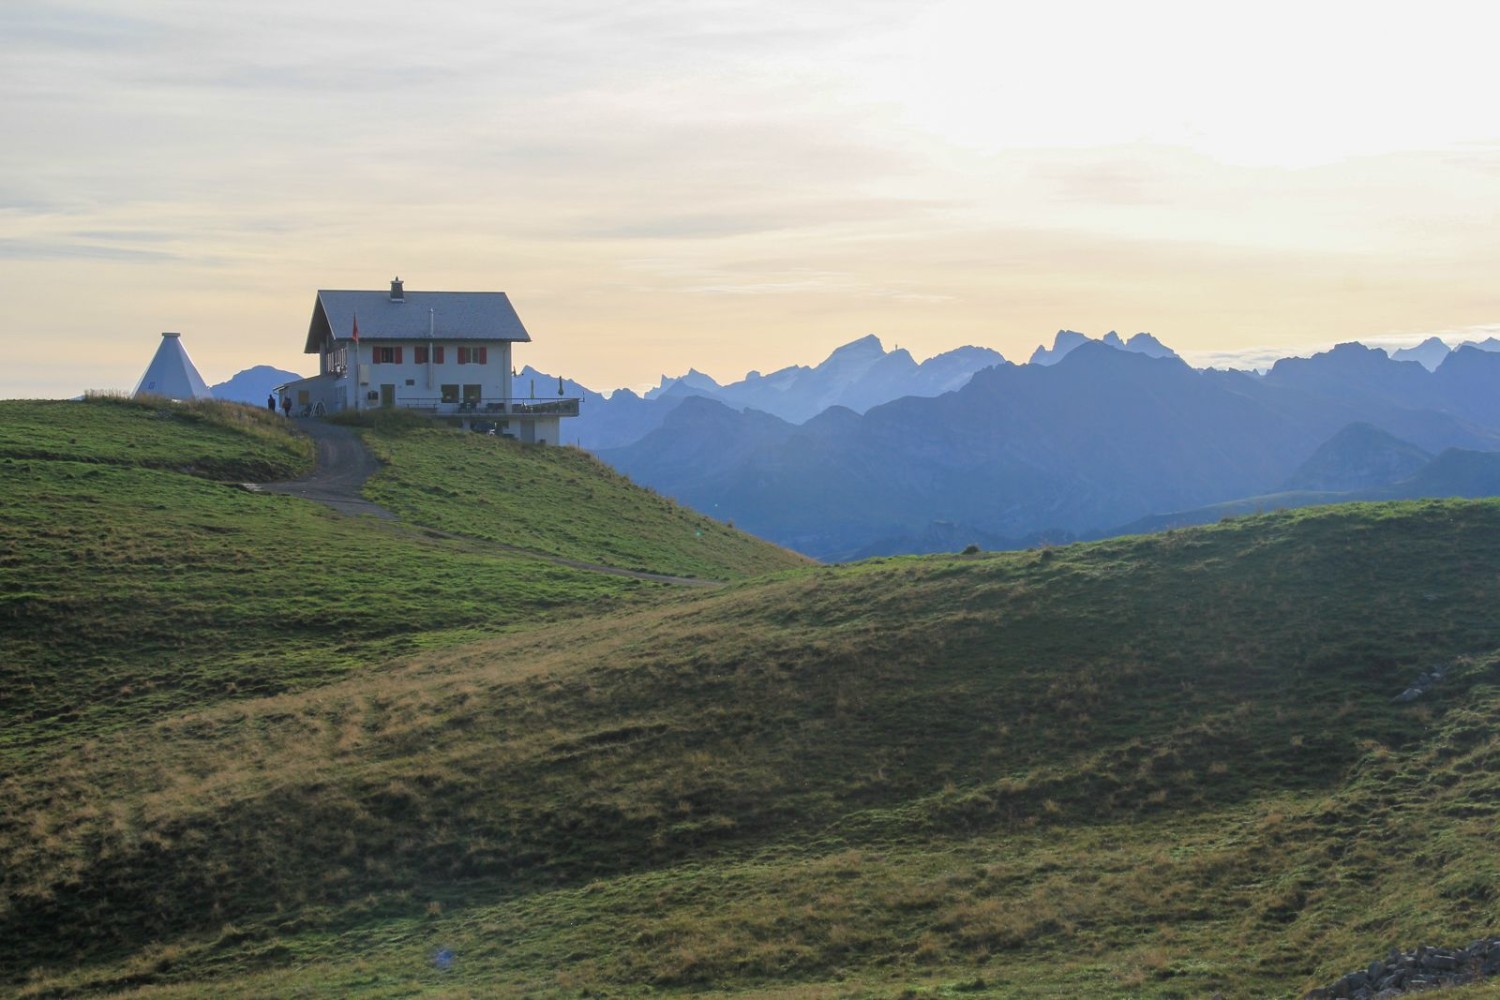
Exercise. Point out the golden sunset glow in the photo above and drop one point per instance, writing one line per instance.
(737, 186)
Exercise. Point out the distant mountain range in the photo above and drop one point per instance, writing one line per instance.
(1067, 340)
(1431, 352)
(1085, 446)
(857, 376)
(870, 452)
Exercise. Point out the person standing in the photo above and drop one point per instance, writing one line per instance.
(271, 402)
(286, 404)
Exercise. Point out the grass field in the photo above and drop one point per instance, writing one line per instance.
(560, 501)
(132, 584)
(1160, 766)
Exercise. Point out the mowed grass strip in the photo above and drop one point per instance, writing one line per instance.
(1149, 767)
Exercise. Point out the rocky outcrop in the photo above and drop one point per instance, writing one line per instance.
(1409, 972)
(1421, 685)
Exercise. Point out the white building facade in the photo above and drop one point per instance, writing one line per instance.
(447, 354)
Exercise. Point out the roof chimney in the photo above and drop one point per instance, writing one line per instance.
(397, 295)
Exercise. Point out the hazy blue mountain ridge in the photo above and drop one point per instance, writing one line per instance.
(252, 385)
(869, 452)
(1066, 341)
(1457, 472)
(1019, 450)
(1102, 438)
(1429, 353)
(1360, 456)
(856, 376)
(1469, 382)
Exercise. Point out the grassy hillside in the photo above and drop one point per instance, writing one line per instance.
(561, 501)
(137, 579)
(1155, 766)
(223, 441)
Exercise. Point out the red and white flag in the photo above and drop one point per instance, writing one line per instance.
(356, 328)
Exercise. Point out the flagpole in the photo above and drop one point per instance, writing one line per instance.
(355, 380)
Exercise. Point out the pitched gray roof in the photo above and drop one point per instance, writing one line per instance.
(444, 315)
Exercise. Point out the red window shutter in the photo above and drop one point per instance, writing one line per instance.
(437, 354)
(398, 355)
(484, 355)
(375, 356)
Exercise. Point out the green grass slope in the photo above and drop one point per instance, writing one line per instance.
(561, 501)
(223, 441)
(137, 579)
(1154, 766)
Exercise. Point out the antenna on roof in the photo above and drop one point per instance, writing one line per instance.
(397, 294)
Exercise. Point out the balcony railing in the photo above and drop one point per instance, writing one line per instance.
(492, 408)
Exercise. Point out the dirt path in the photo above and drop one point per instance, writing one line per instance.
(343, 466)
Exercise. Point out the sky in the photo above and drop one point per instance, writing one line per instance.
(742, 185)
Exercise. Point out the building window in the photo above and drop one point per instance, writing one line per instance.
(450, 393)
(473, 355)
(472, 393)
(387, 356)
(419, 354)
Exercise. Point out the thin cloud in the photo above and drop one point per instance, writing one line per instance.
(42, 250)
(25, 24)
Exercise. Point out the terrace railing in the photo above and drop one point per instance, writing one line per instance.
(488, 407)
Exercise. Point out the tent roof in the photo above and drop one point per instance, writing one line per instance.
(171, 373)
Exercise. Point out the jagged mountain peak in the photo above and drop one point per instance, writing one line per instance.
(1068, 341)
(1099, 355)
(865, 347)
(1145, 343)
(694, 380)
(543, 384)
(1062, 343)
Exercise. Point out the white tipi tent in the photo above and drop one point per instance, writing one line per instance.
(171, 373)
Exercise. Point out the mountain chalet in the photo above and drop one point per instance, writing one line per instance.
(443, 353)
